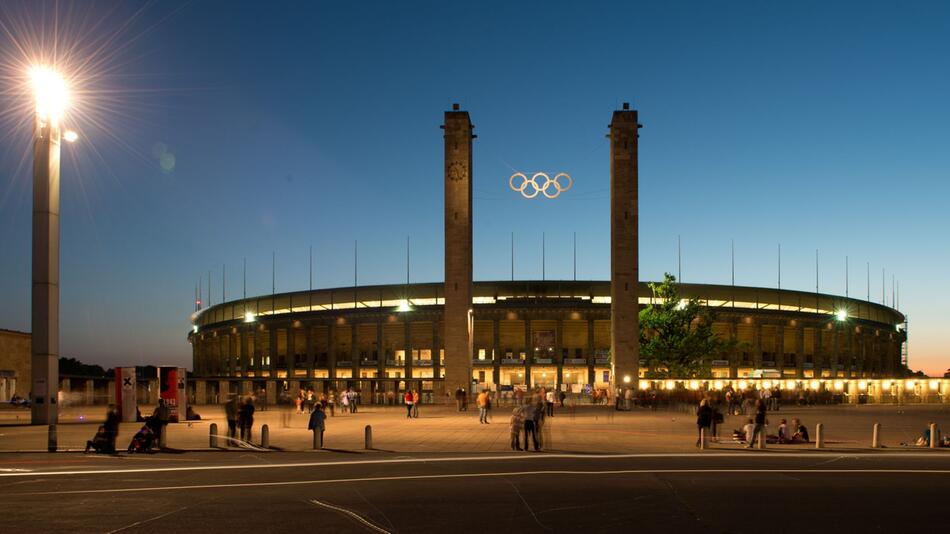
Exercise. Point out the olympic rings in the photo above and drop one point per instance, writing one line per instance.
(552, 183)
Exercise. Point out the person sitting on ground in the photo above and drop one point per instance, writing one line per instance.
(801, 432)
(191, 415)
(100, 442)
(783, 436)
(924, 439)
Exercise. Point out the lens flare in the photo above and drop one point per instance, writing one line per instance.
(52, 96)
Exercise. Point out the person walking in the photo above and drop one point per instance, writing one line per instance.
(246, 419)
(415, 403)
(482, 401)
(354, 400)
(111, 429)
(717, 419)
(317, 424)
(760, 422)
(345, 401)
(704, 417)
(409, 403)
(459, 396)
(331, 402)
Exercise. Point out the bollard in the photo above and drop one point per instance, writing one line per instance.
(265, 436)
(213, 435)
(876, 436)
(317, 438)
(819, 436)
(162, 437)
(934, 438)
(51, 438)
(368, 437)
(703, 439)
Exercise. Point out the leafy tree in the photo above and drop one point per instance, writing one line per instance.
(74, 367)
(676, 334)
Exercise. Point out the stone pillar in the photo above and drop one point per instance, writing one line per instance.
(528, 351)
(331, 351)
(436, 364)
(89, 396)
(496, 351)
(272, 349)
(558, 348)
(224, 391)
(590, 353)
(380, 353)
(270, 391)
(624, 268)
(355, 349)
(291, 350)
(311, 354)
(458, 248)
(800, 351)
(757, 346)
(201, 392)
(780, 348)
(407, 342)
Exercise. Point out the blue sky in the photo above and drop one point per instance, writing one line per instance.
(293, 125)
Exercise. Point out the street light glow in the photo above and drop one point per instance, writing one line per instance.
(70, 136)
(52, 97)
(841, 315)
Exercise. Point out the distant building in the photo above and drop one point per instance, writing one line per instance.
(14, 364)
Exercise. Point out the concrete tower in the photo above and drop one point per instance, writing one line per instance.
(458, 249)
(624, 271)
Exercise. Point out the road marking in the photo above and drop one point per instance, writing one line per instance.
(352, 515)
(402, 460)
(13, 470)
(487, 475)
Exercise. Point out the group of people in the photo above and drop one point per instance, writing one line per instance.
(709, 418)
(307, 400)
(528, 420)
(240, 415)
(411, 398)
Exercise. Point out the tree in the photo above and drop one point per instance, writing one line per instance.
(676, 334)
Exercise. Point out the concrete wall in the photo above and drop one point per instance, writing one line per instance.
(14, 363)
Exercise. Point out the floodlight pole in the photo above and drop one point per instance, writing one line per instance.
(47, 136)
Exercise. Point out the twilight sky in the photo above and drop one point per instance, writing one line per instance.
(214, 131)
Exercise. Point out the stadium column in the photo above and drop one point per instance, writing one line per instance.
(496, 351)
(558, 352)
(331, 350)
(800, 351)
(458, 248)
(590, 354)
(528, 352)
(624, 270)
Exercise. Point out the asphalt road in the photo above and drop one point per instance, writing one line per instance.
(753, 491)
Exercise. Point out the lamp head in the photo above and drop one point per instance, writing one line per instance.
(52, 96)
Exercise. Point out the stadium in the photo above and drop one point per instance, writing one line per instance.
(382, 339)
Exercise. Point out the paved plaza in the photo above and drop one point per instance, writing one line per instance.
(442, 429)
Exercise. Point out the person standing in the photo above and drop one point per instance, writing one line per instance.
(515, 425)
(331, 402)
(317, 424)
(231, 413)
(549, 402)
(408, 399)
(111, 429)
(415, 403)
(459, 396)
(704, 417)
(482, 401)
(246, 419)
(760, 422)
(345, 401)
(717, 419)
(354, 398)
(530, 414)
